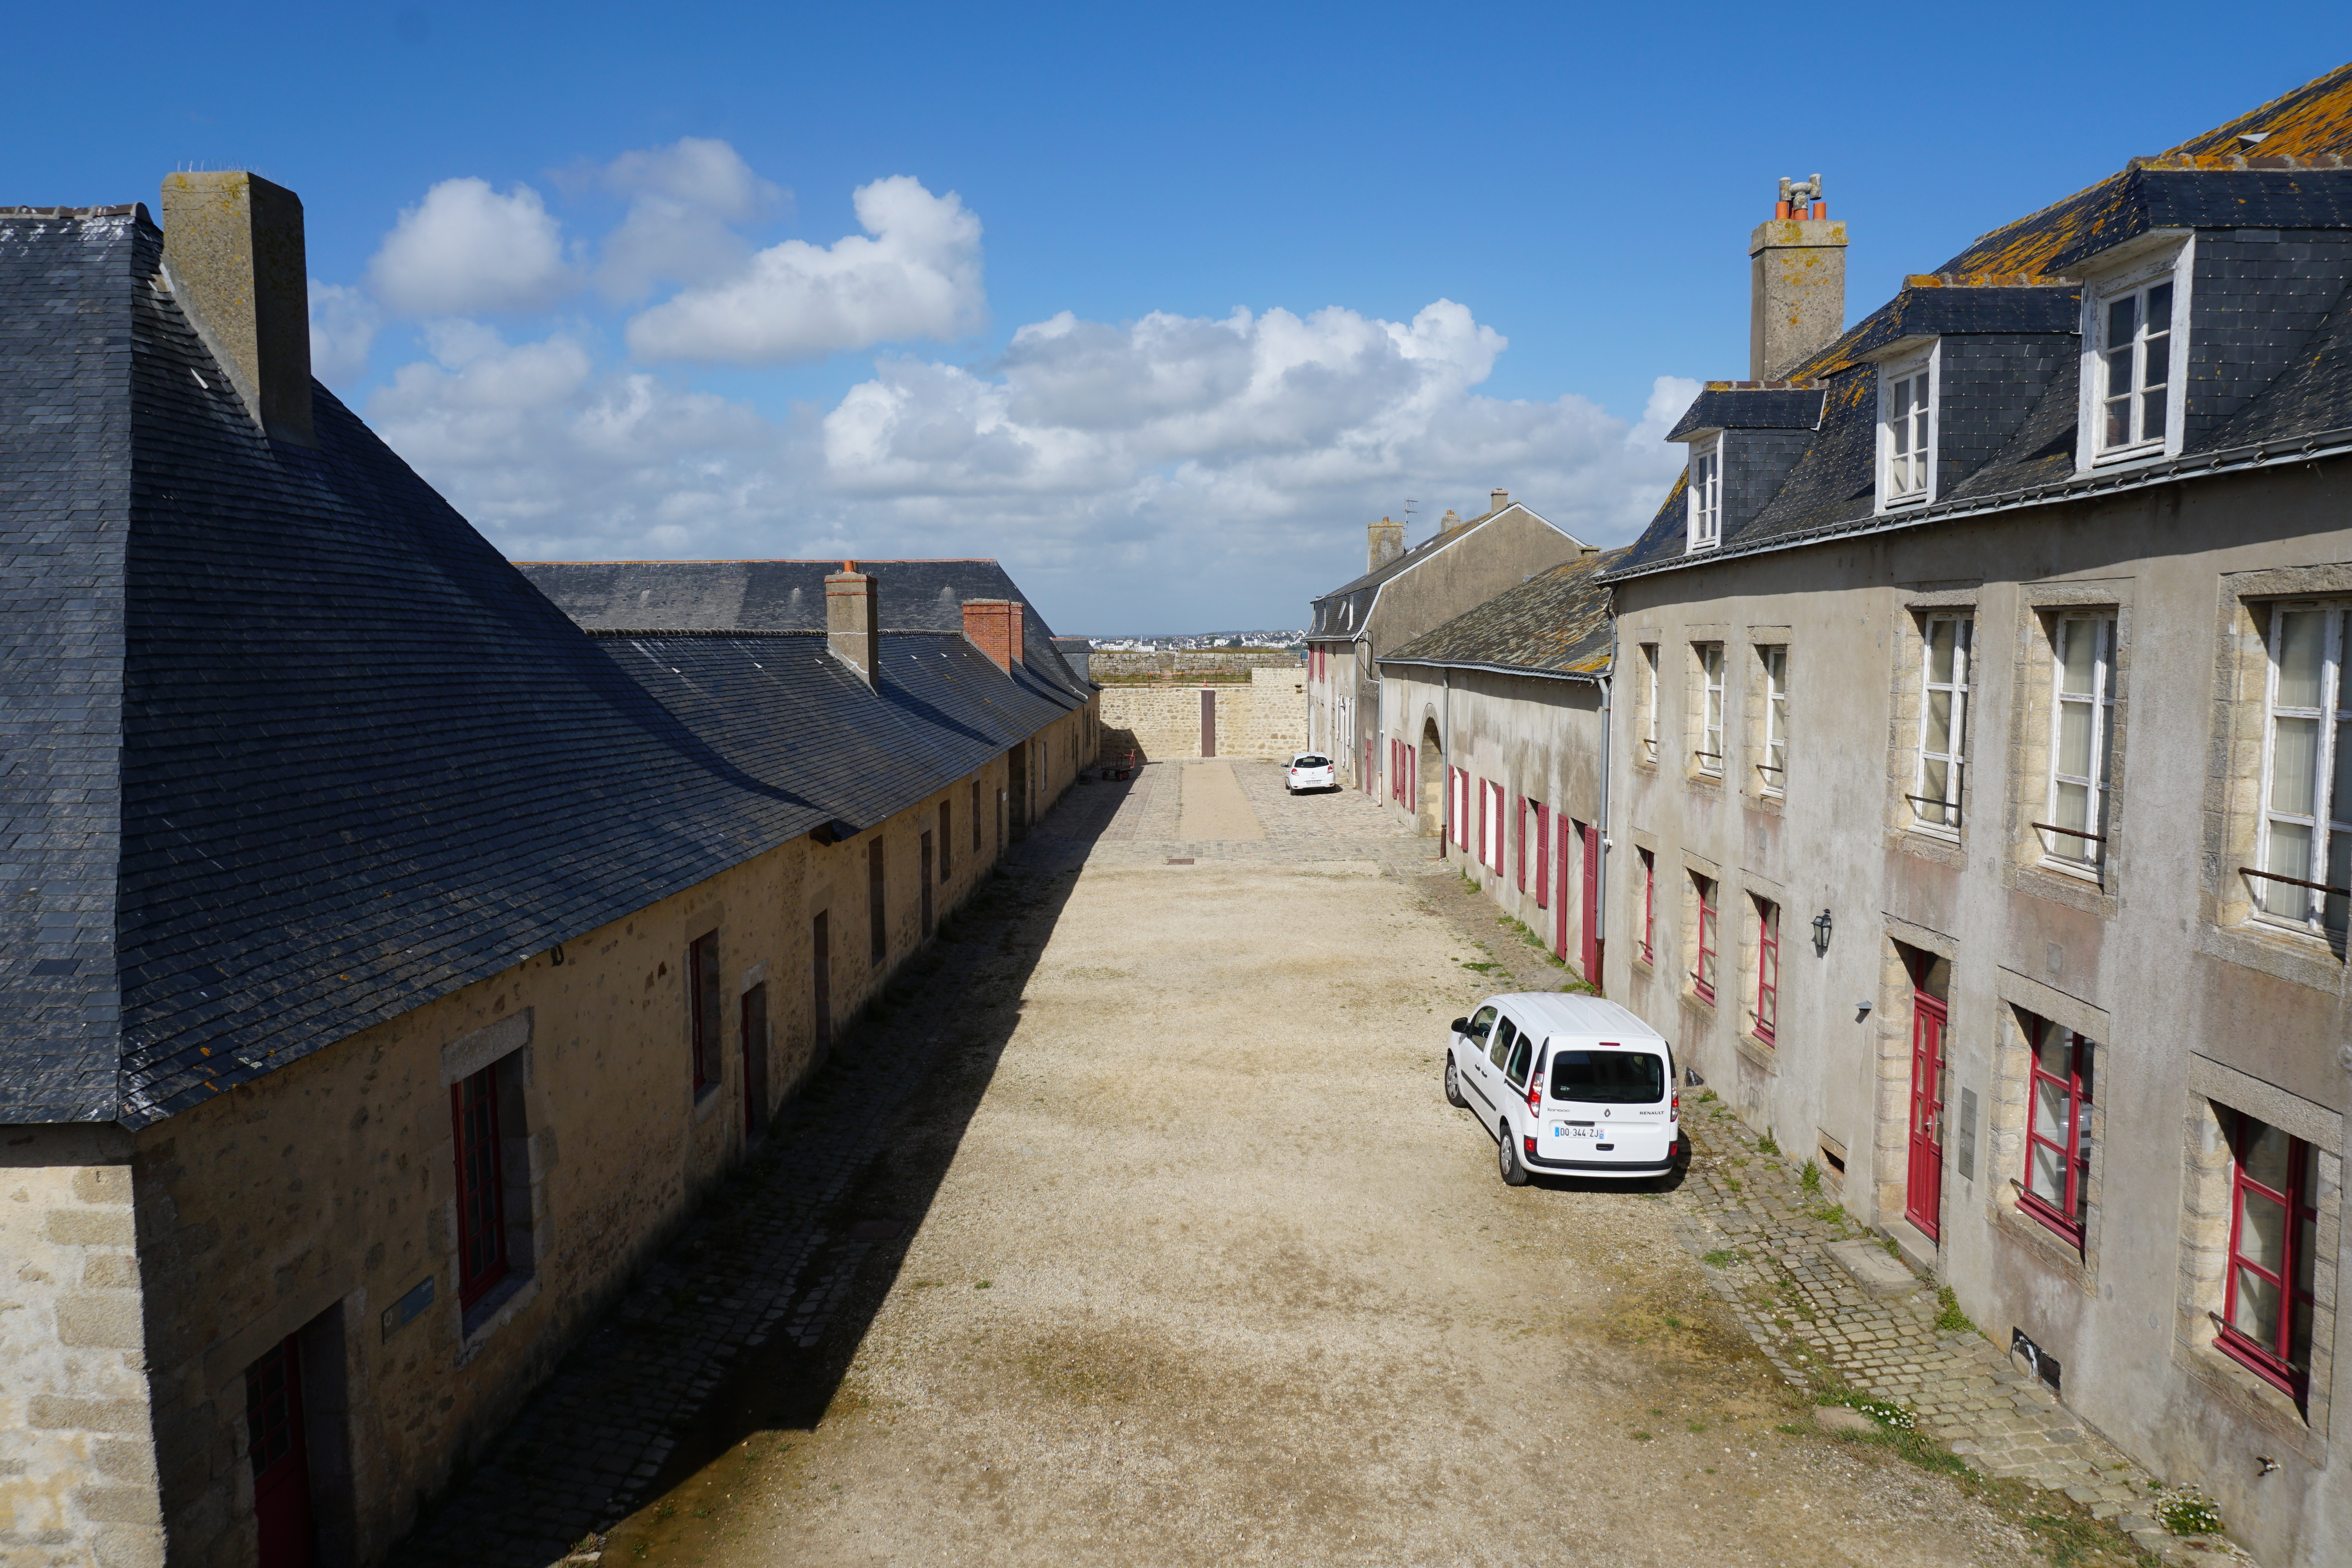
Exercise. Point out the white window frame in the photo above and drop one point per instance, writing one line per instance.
(1772, 772)
(1649, 675)
(2327, 818)
(1928, 365)
(1704, 527)
(1954, 759)
(2174, 263)
(2065, 850)
(1710, 712)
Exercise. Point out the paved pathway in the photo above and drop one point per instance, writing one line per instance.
(764, 1277)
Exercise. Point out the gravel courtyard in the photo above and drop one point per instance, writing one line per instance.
(1193, 1263)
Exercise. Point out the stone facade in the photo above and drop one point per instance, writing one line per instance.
(1158, 722)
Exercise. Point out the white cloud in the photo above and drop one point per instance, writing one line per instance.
(918, 276)
(1153, 474)
(466, 249)
(682, 199)
(343, 322)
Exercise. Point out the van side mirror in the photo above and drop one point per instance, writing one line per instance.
(1462, 1026)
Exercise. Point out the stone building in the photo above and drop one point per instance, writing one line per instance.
(1981, 824)
(392, 960)
(1405, 594)
(1494, 734)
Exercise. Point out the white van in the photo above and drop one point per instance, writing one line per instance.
(1568, 1085)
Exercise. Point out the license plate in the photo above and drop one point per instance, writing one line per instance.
(1560, 1132)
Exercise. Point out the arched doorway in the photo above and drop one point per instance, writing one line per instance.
(1432, 781)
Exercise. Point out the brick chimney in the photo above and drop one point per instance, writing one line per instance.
(853, 621)
(1796, 294)
(1499, 499)
(232, 256)
(1384, 541)
(994, 627)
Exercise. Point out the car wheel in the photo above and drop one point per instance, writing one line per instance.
(1508, 1158)
(1454, 1085)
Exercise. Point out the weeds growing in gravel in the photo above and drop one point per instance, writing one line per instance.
(1810, 1179)
(1951, 1320)
(1768, 1144)
(1721, 1258)
(2185, 1511)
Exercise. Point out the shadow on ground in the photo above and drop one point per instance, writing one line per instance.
(750, 1319)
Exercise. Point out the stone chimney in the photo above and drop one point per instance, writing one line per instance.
(853, 621)
(1384, 541)
(1796, 295)
(994, 627)
(232, 256)
(1499, 499)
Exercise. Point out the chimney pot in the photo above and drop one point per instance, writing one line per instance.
(853, 621)
(233, 256)
(993, 626)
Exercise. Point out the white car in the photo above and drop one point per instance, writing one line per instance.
(1309, 771)
(1568, 1085)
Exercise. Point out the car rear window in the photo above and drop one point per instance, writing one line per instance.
(1310, 762)
(1608, 1077)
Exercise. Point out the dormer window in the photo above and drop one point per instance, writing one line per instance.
(1906, 432)
(2134, 340)
(1706, 493)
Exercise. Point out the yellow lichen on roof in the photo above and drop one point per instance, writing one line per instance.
(2313, 120)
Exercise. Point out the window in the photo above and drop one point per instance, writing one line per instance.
(1498, 1047)
(2135, 366)
(1768, 969)
(1514, 1072)
(482, 1185)
(878, 929)
(1703, 964)
(1943, 722)
(1707, 495)
(1772, 772)
(1543, 855)
(1481, 1023)
(2274, 1226)
(2058, 1130)
(1519, 838)
(1647, 673)
(702, 985)
(1906, 438)
(2080, 742)
(1459, 800)
(1649, 942)
(1709, 755)
(976, 816)
(2306, 850)
(947, 837)
(1490, 824)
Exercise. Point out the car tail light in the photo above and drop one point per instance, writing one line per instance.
(1675, 1111)
(1530, 1143)
(1535, 1094)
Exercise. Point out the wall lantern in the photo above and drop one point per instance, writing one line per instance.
(1821, 934)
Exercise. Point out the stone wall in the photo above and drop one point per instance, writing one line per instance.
(1264, 718)
(77, 1472)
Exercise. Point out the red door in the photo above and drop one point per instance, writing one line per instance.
(1924, 1190)
(1559, 905)
(281, 1464)
(1590, 907)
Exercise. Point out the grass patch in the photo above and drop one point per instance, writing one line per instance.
(1639, 1435)
(1950, 1319)
(1721, 1258)
(1766, 1145)
(1810, 1179)
(1520, 928)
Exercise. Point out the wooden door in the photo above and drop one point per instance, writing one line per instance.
(1923, 1203)
(279, 1450)
(1589, 907)
(925, 869)
(1208, 723)
(755, 1060)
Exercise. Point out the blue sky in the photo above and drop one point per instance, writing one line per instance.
(598, 349)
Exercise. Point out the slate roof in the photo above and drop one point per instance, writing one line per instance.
(1555, 622)
(2271, 305)
(291, 750)
(784, 596)
(1342, 612)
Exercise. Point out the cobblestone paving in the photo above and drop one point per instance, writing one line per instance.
(1762, 1238)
